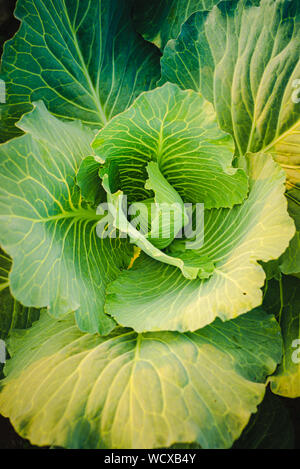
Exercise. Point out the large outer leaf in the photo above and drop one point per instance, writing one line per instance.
(178, 129)
(153, 296)
(79, 390)
(81, 57)
(283, 299)
(245, 59)
(289, 261)
(59, 261)
(270, 428)
(12, 314)
(161, 20)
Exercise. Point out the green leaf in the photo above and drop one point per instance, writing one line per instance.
(161, 20)
(82, 58)
(88, 179)
(283, 299)
(165, 225)
(290, 260)
(244, 57)
(178, 130)
(76, 390)
(270, 428)
(153, 296)
(12, 314)
(59, 261)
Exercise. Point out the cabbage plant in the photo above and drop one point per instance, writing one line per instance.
(149, 221)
